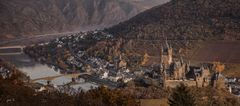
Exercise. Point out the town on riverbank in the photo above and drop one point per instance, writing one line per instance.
(77, 66)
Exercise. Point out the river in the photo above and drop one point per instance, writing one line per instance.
(36, 70)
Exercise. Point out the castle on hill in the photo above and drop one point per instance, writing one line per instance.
(174, 72)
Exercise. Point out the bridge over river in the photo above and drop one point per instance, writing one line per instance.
(58, 76)
(36, 71)
(11, 50)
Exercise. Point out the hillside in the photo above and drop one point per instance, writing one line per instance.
(30, 17)
(187, 24)
(185, 19)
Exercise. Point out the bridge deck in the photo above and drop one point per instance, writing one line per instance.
(54, 77)
(6, 47)
(11, 50)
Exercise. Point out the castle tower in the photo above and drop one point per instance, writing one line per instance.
(161, 54)
(166, 54)
(170, 53)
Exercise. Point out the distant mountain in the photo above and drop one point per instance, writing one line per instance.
(186, 20)
(29, 17)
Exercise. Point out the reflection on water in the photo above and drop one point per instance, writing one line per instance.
(34, 69)
(20, 60)
(39, 71)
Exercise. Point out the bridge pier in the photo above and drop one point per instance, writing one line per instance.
(22, 50)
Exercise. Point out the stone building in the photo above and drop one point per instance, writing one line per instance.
(176, 71)
(122, 64)
(173, 70)
(218, 81)
(201, 75)
(179, 71)
(196, 76)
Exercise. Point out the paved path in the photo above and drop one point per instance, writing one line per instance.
(34, 39)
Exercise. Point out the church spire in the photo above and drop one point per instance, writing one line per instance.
(166, 40)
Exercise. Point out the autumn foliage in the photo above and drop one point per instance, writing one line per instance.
(218, 67)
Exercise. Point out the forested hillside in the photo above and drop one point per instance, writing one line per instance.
(185, 19)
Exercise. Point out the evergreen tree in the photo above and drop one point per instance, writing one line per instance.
(181, 96)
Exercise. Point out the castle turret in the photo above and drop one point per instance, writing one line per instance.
(166, 54)
(170, 52)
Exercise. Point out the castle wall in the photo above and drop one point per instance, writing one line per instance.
(198, 83)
